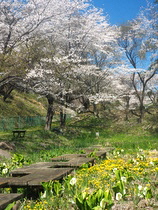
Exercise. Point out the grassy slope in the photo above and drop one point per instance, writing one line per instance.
(21, 104)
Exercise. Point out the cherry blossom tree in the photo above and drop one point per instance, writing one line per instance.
(20, 21)
(69, 62)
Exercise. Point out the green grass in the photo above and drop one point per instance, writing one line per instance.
(22, 104)
(40, 145)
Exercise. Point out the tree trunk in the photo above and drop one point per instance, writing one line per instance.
(95, 110)
(127, 99)
(141, 111)
(50, 113)
(62, 118)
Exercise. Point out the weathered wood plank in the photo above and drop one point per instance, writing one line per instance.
(4, 181)
(31, 168)
(81, 160)
(58, 173)
(101, 154)
(39, 176)
(36, 173)
(74, 163)
(72, 160)
(67, 157)
(6, 199)
(69, 160)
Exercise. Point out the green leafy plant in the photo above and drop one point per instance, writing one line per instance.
(51, 188)
(57, 188)
(97, 200)
(10, 206)
(19, 160)
(47, 186)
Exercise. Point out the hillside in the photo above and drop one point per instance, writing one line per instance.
(22, 104)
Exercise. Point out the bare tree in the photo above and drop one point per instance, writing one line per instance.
(138, 41)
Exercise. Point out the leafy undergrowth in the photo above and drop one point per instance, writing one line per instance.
(122, 181)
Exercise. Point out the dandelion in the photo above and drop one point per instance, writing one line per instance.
(73, 181)
(118, 196)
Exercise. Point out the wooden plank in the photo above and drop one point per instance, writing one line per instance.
(81, 160)
(58, 173)
(4, 181)
(101, 154)
(67, 160)
(98, 151)
(6, 199)
(31, 168)
(22, 181)
(74, 163)
(72, 160)
(39, 176)
(67, 157)
(39, 165)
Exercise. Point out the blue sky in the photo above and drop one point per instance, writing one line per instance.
(120, 11)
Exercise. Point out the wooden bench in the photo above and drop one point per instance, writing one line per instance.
(19, 133)
(6, 199)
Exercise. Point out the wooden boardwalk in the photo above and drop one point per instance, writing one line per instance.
(6, 199)
(38, 176)
(34, 174)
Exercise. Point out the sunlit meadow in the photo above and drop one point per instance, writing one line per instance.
(121, 179)
(128, 178)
